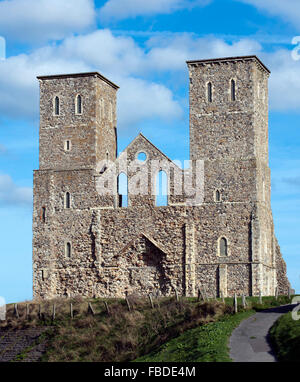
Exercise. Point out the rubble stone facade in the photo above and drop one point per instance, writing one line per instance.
(84, 241)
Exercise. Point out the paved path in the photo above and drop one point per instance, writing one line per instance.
(249, 341)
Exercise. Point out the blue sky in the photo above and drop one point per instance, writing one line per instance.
(142, 46)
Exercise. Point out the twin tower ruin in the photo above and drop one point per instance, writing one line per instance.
(88, 243)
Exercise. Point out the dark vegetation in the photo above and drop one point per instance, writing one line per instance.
(285, 337)
(121, 334)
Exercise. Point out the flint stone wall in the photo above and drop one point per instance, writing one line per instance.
(143, 248)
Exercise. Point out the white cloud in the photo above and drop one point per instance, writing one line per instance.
(119, 55)
(18, 83)
(117, 58)
(116, 55)
(288, 10)
(139, 99)
(122, 9)
(38, 20)
(12, 194)
(284, 83)
(170, 53)
(133, 67)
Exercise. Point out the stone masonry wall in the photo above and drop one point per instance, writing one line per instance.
(94, 247)
(91, 133)
(282, 280)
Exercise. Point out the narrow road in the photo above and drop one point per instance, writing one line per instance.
(249, 341)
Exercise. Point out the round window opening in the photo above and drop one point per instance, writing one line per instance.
(142, 157)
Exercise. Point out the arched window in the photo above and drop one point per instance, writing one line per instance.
(123, 190)
(161, 189)
(68, 250)
(209, 92)
(223, 247)
(232, 90)
(43, 215)
(67, 145)
(56, 105)
(78, 104)
(67, 200)
(218, 196)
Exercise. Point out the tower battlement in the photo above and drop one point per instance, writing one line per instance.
(252, 58)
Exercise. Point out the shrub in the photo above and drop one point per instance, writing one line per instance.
(285, 336)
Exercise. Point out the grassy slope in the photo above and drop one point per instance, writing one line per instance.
(285, 336)
(125, 336)
(207, 343)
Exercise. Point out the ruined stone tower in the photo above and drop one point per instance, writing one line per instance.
(82, 112)
(229, 131)
(88, 243)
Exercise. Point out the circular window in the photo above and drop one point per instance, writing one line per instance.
(141, 157)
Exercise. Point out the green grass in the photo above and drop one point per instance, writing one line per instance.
(207, 343)
(23, 354)
(285, 336)
(267, 302)
(123, 335)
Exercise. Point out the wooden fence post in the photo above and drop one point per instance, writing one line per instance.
(71, 310)
(244, 301)
(206, 295)
(222, 296)
(157, 303)
(16, 310)
(53, 312)
(128, 305)
(235, 304)
(90, 309)
(176, 294)
(106, 307)
(151, 300)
